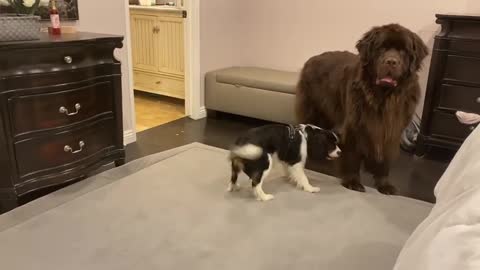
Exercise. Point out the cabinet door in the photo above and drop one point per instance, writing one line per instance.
(144, 42)
(170, 45)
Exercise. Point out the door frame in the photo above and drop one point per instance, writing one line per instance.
(193, 82)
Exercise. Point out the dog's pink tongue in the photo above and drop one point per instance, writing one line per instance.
(387, 80)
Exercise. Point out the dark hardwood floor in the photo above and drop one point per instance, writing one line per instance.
(415, 177)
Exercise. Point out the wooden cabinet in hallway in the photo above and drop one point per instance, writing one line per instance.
(158, 51)
(144, 42)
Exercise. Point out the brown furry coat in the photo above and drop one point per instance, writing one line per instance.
(368, 98)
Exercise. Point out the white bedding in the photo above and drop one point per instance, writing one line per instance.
(449, 239)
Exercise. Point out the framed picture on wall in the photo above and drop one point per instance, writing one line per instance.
(68, 9)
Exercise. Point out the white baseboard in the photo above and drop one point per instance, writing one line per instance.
(129, 136)
(202, 113)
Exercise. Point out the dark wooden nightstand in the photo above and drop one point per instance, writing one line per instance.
(453, 83)
(61, 111)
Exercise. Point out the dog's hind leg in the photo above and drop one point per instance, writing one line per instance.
(259, 178)
(236, 168)
(297, 174)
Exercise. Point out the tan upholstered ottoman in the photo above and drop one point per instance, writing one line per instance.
(254, 92)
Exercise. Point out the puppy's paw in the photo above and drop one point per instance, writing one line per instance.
(266, 197)
(311, 189)
(354, 186)
(387, 189)
(232, 187)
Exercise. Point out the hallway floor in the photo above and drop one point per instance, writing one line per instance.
(154, 110)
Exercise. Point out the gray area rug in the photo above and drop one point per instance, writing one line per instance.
(171, 211)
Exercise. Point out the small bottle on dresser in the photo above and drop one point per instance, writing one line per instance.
(55, 18)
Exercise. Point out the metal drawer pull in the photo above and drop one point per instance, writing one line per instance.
(68, 59)
(68, 148)
(65, 110)
(478, 99)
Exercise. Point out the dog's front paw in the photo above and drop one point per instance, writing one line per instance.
(387, 189)
(354, 186)
(265, 197)
(311, 189)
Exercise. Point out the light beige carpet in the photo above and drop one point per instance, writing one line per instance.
(171, 211)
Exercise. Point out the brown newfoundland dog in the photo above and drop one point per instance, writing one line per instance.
(368, 98)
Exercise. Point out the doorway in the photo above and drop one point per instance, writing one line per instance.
(160, 43)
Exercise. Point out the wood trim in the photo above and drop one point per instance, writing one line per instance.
(130, 135)
(193, 79)
(202, 112)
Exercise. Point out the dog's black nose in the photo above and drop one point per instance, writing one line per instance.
(391, 61)
(339, 153)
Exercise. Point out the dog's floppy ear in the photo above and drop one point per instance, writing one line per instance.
(317, 146)
(366, 45)
(419, 52)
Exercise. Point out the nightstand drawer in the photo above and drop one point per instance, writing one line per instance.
(459, 98)
(35, 112)
(462, 68)
(447, 126)
(60, 150)
(44, 60)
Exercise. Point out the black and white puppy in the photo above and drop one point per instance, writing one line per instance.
(255, 151)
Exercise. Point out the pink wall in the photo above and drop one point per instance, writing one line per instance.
(220, 37)
(284, 34)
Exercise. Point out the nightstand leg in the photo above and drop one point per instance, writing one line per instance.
(119, 162)
(7, 204)
(420, 148)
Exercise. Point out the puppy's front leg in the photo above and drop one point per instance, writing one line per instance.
(297, 174)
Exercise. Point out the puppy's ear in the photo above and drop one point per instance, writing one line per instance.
(317, 146)
(366, 45)
(419, 52)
